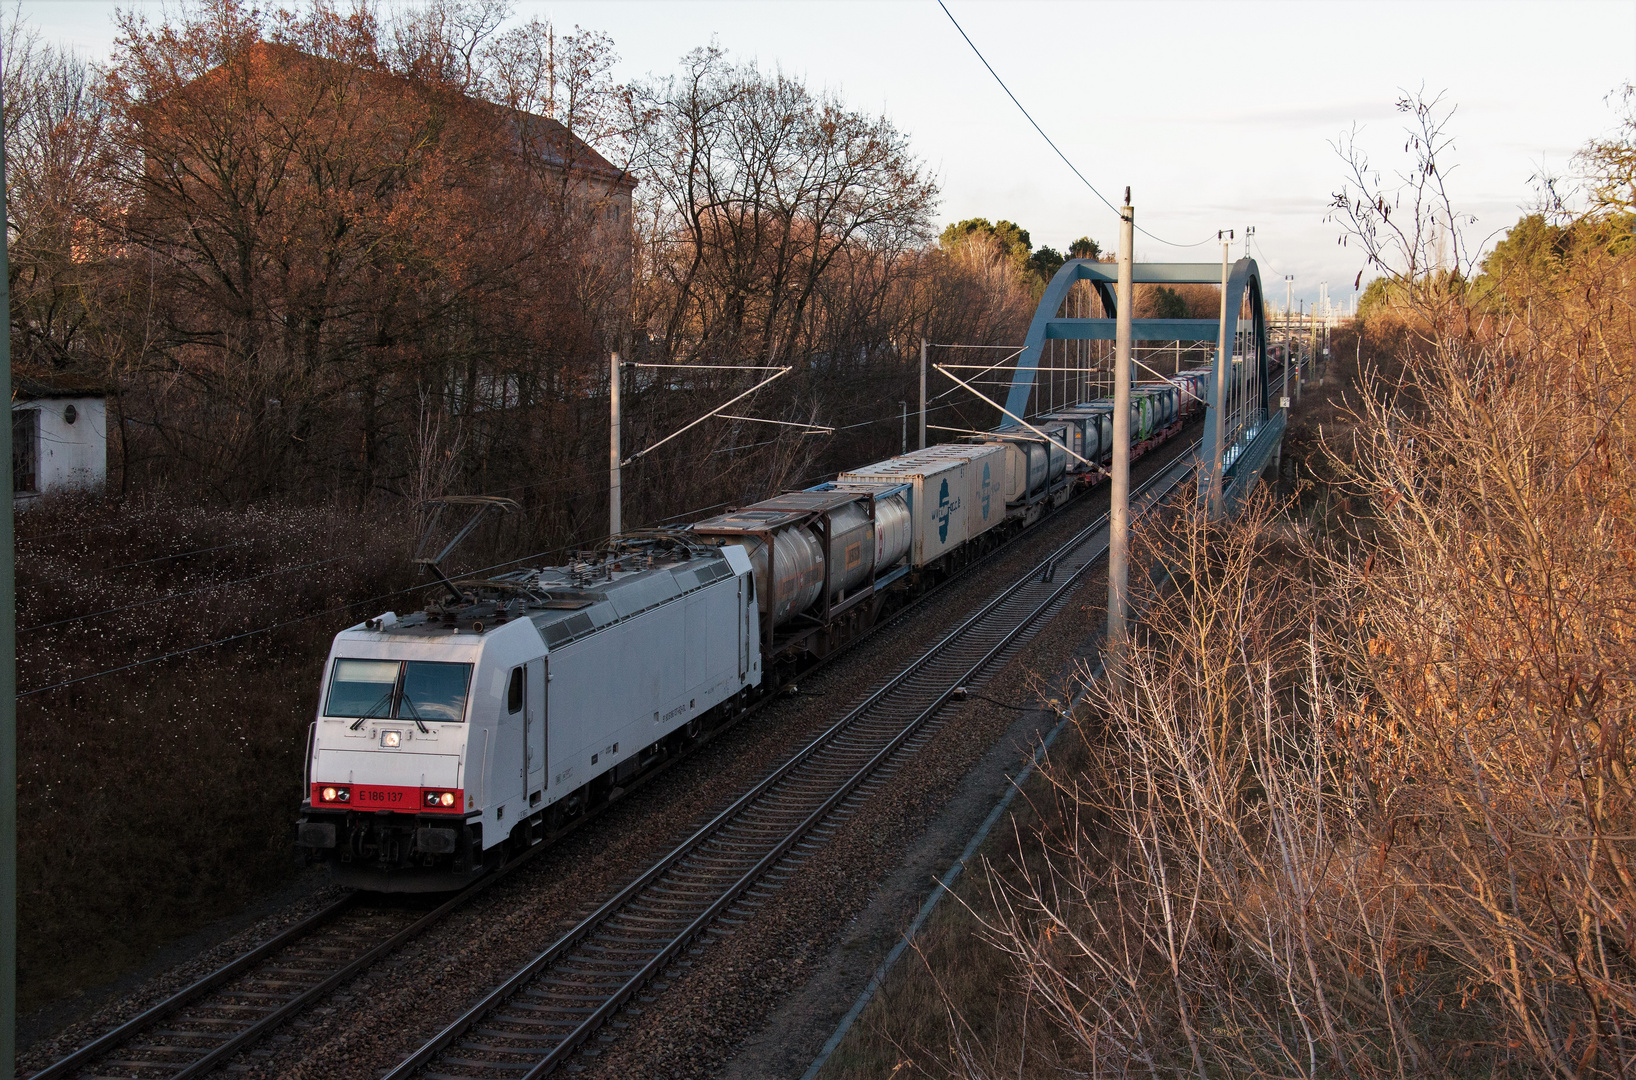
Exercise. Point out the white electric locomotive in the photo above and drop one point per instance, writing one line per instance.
(450, 736)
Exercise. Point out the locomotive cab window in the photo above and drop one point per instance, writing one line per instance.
(514, 694)
(395, 689)
(433, 691)
(362, 688)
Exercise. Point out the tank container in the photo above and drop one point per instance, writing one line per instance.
(1093, 434)
(794, 522)
(1033, 464)
(851, 547)
(1164, 395)
(1085, 430)
(892, 530)
(798, 558)
(1104, 406)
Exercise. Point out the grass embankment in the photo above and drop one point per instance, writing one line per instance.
(154, 800)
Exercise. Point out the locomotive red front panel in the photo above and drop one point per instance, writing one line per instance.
(409, 800)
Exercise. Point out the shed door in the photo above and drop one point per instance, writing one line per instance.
(25, 450)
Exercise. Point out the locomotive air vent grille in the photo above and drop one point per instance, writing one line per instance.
(559, 632)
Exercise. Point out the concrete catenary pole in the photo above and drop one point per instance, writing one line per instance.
(615, 494)
(1316, 360)
(1299, 372)
(1289, 333)
(1224, 361)
(8, 702)
(1119, 510)
(923, 393)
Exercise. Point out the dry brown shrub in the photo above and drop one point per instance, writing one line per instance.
(1367, 808)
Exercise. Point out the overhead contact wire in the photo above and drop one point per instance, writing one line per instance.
(1048, 141)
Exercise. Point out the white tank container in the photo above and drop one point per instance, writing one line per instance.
(1104, 407)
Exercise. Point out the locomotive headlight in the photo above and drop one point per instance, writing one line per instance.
(446, 799)
(335, 794)
(391, 738)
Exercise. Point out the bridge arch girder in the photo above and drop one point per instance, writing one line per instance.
(1243, 278)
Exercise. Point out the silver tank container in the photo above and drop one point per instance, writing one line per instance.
(1086, 434)
(799, 558)
(893, 530)
(1032, 464)
(1056, 450)
(851, 547)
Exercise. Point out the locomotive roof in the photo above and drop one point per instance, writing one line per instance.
(567, 602)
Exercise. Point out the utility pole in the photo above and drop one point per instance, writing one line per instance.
(923, 393)
(1315, 360)
(1224, 361)
(1301, 308)
(904, 405)
(8, 699)
(1119, 509)
(1289, 336)
(615, 495)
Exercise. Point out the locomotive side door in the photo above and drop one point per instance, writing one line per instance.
(510, 741)
(534, 729)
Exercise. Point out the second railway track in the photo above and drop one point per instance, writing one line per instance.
(546, 1011)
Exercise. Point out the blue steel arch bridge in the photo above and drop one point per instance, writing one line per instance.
(1062, 363)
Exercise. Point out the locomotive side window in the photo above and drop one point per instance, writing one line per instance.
(433, 690)
(383, 689)
(514, 694)
(362, 688)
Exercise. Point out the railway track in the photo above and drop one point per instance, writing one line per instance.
(202, 1026)
(716, 879)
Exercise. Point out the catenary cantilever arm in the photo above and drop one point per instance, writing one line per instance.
(642, 453)
(1014, 416)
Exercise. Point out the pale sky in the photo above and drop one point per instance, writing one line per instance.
(1217, 115)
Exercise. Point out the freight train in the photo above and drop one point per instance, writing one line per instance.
(450, 738)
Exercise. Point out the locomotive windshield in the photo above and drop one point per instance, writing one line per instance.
(398, 689)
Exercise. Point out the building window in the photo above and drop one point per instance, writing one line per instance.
(25, 450)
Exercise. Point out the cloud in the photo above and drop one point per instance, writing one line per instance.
(1343, 113)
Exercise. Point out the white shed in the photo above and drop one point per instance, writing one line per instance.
(59, 437)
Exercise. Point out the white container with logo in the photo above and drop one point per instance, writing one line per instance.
(986, 479)
(956, 494)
